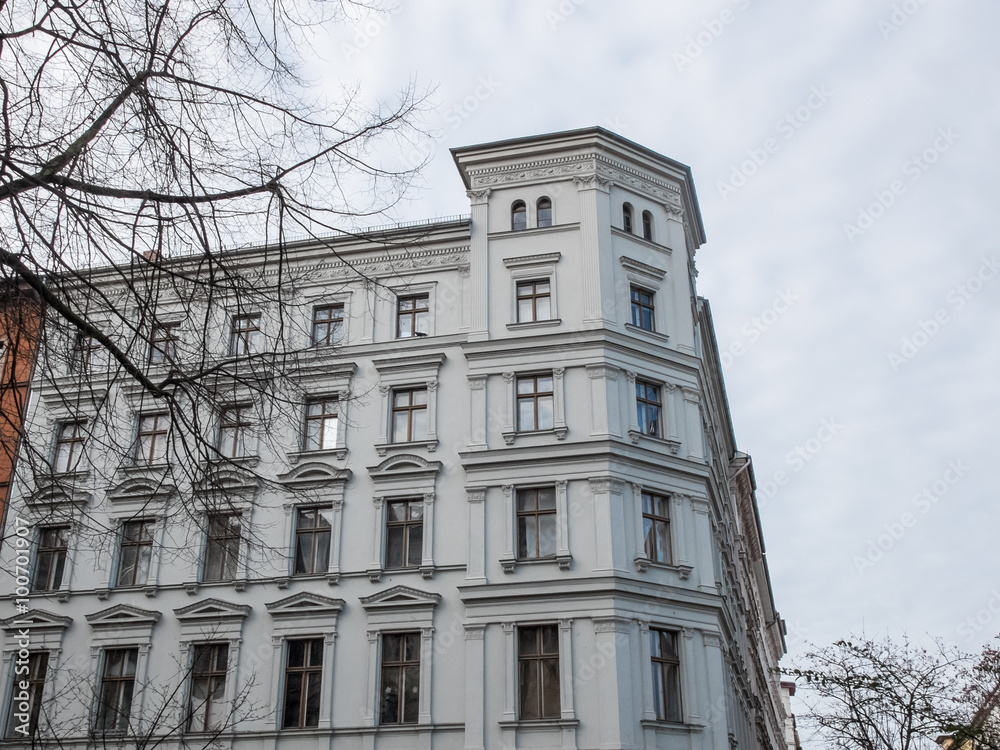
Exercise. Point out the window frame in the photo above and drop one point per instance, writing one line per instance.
(323, 418)
(400, 665)
(534, 396)
(409, 409)
(647, 226)
(140, 544)
(533, 268)
(641, 306)
(245, 340)
(212, 676)
(304, 673)
(536, 513)
(77, 450)
(313, 533)
(510, 559)
(413, 314)
(659, 668)
(334, 325)
(628, 218)
(656, 521)
(643, 421)
(103, 708)
(518, 208)
(538, 212)
(538, 659)
(52, 551)
(242, 430)
(81, 359)
(152, 459)
(221, 543)
(170, 339)
(406, 525)
(534, 296)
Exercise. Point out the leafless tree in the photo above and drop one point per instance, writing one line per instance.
(143, 142)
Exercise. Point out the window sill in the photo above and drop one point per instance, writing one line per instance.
(536, 230)
(529, 324)
(672, 445)
(239, 584)
(559, 432)
(144, 468)
(248, 462)
(538, 723)
(642, 564)
(563, 561)
(375, 574)
(295, 457)
(656, 336)
(430, 445)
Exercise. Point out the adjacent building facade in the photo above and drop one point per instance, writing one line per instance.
(508, 510)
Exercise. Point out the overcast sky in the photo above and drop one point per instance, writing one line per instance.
(861, 225)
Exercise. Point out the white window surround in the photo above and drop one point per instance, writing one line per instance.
(510, 432)
(234, 497)
(72, 522)
(651, 279)
(563, 557)
(324, 382)
(509, 722)
(410, 290)
(297, 617)
(315, 485)
(396, 610)
(120, 516)
(688, 678)
(207, 622)
(312, 301)
(669, 404)
(534, 267)
(414, 371)
(119, 627)
(47, 631)
(678, 549)
(400, 478)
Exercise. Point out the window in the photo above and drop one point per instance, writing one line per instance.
(404, 533)
(648, 406)
(163, 341)
(627, 218)
(647, 226)
(151, 440)
(656, 527)
(69, 446)
(642, 308)
(518, 216)
(536, 523)
(23, 717)
(303, 678)
(400, 678)
(244, 338)
(328, 325)
(117, 684)
(413, 316)
(136, 553)
(544, 207)
(534, 402)
(666, 675)
(50, 558)
(234, 431)
(534, 301)
(312, 540)
(538, 672)
(207, 704)
(321, 425)
(222, 548)
(82, 356)
(409, 415)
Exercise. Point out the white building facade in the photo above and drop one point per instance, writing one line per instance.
(511, 515)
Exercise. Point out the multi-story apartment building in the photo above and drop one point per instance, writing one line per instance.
(503, 508)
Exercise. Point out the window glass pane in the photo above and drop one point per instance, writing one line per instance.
(420, 424)
(400, 427)
(419, 397)
(542, 309)
(547, 535)
(545, 407)
(662, 541)
(312, 699)
(411, 642)
(525, 385)
(524, 311)
(550, 688)
(647, 503)
(389, 713)
(303, 554)
(526, 499)
(529, 689)
(519, 217)
(526, 537)
(411, 693)
(546, 498)
(647, 319)
(545, 384)
(526, 414)
(423, 323)
(416, 510)
(405, 326)
(293, 700)
(550, 639)
(394, 547)
(416, 541)
(649, 539)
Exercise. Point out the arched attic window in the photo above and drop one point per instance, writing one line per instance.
(627, 217)
(544, 207)
(518, 216)
(647, 226)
